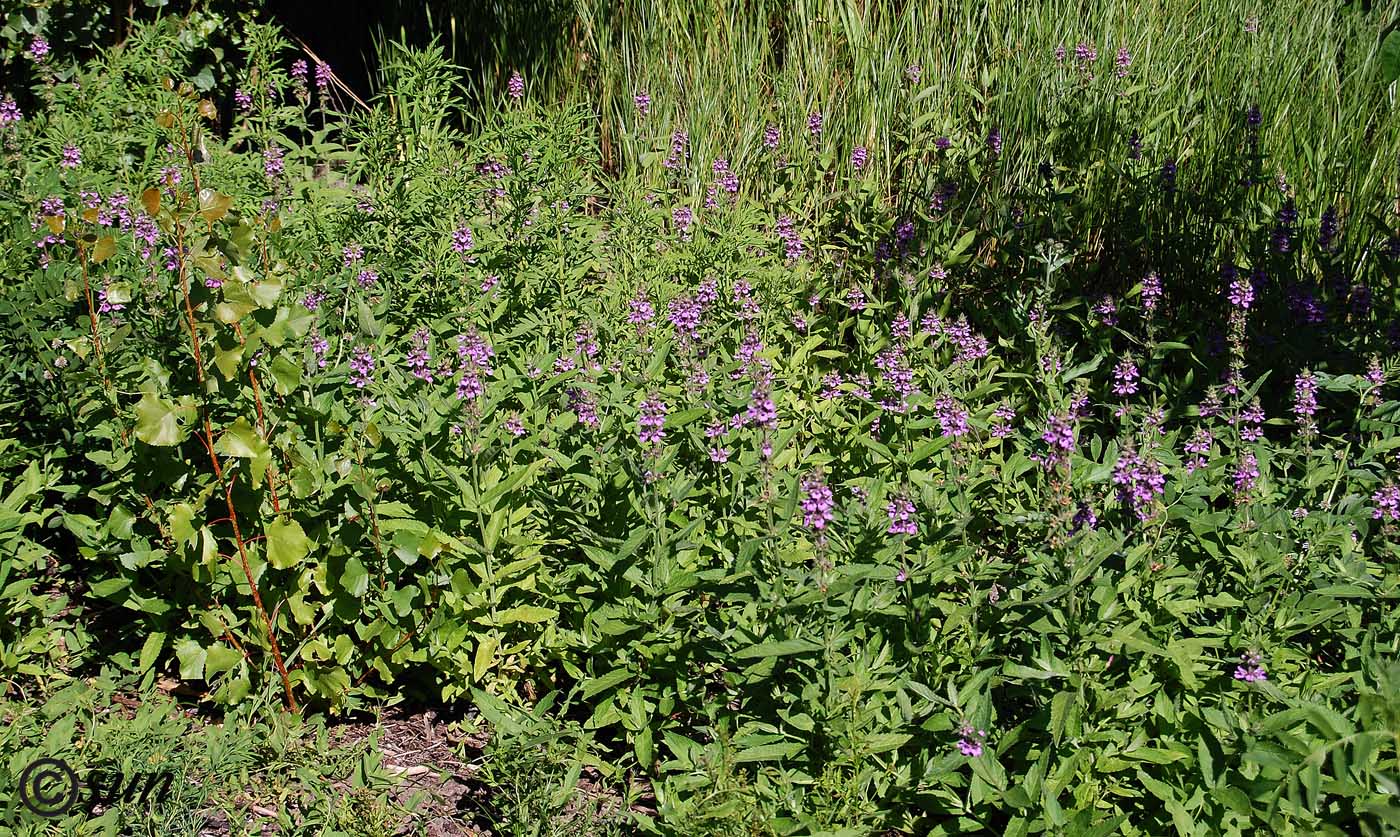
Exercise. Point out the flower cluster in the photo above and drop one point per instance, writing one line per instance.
(900, 510)
(362, 367)
(418, 358)
(793, 248)
(1305, 404)
(651, 421)
(680, 150)
(971, 740)
(1249, 670)
(1387, 502)
(817, 502)
(1140, 482)
(1199, 447)
(474, 356)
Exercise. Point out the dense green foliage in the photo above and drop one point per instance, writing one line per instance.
(1031, 468)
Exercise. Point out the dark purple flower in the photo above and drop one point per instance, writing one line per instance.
(243, 100)
(682, 217)
(971, 741)
(994, 141)
(643, 102)
(38, 48)
(323, 75)
(640, 312)
(859, 157)
(1199, 446)
(72, 157)
(1253, 419)
(680, 150)
(814, 124)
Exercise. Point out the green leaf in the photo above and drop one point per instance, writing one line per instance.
(160, 422)
(241, 440)
(525, 613)
(1390, 57)
(355, 579)
(286, 374)
(485, 655)
(769, 752)
(883, 742)
(228, 361)
(605, 682)
(287, 543)
(150, 650)
(191, 655)
(218, 659)
(781, 648)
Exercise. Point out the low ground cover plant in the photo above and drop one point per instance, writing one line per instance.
(850, 489)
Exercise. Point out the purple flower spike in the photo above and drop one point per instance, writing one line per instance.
(817, 502)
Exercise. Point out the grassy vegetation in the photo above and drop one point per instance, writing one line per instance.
(1004, 442)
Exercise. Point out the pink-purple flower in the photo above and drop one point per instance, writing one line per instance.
(971, 740)
(1387, 500)
(362, 367)
(817, 502)
(900, 510)
(1250, 669)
